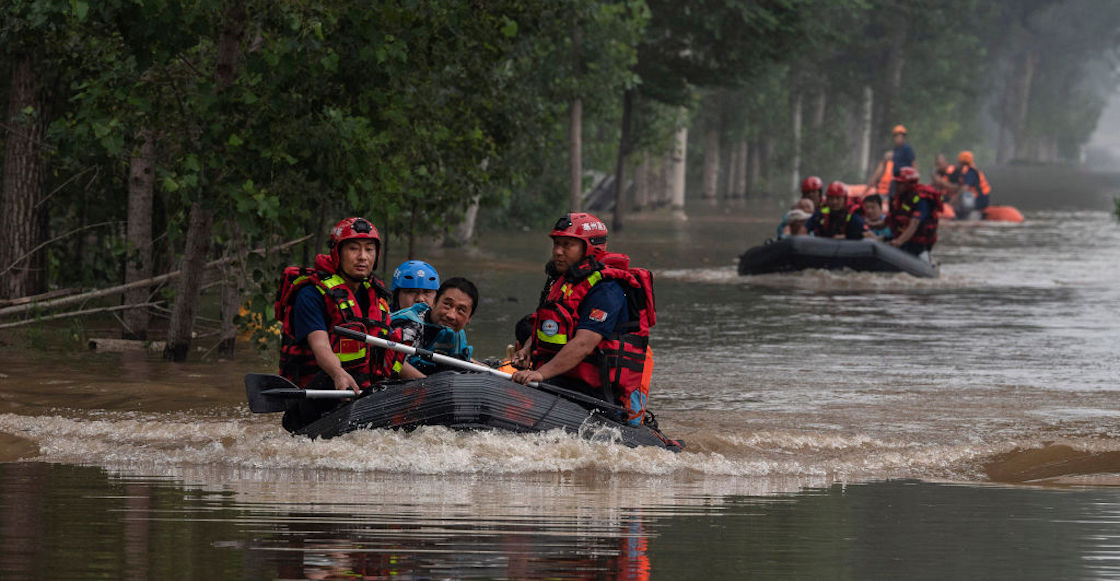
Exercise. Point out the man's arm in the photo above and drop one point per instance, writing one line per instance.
(410, 372)
(907, 234)
(320, 343)
(569, 356)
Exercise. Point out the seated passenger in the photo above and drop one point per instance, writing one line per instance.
(871, 209)
(441, 327)
(793, 222)
(972, 188)
(836, 219)
(414, 281)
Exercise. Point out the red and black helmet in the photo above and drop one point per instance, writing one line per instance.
(811, 184)
(908, 175)
(837, 189)
(354, 229)
(586, 227)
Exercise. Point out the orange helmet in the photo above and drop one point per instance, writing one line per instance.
(353, 229)
(908, 175)
(965, 157)
(586, 227)
(898, 129)
(811, 184)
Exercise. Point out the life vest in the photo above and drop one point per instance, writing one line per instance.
(884, 185)
(985, 187)
(830, 225)
(946, 175)
(902, 209)
(417, 330)
(365, 363)
(617, 368)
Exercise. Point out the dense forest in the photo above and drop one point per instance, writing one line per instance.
(149, 141)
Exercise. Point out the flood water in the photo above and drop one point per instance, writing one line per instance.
(838, 425)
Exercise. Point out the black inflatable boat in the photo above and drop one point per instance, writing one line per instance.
(473, 401)
(803, 252)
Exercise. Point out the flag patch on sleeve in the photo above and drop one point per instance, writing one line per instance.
(598, 315)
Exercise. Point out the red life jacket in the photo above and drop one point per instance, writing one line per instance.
(830, 225)
(365, 363)
(902, 210)
(617, 365)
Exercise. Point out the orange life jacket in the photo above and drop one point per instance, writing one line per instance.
(985, 187)
(365, 363)
(617, 367)
(884, 185)
(902, 211)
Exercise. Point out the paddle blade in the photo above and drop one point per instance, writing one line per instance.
(264, 391)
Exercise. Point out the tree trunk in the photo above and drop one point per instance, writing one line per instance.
(819, 107)
(138, 265)
(680, 154)
(620, 168)
(732, 171)
(866, 130)
(201, 219)
(665, 180)
(575, 160)
(233, 277)
(186, 297)
(575, 131)
(741, 188)
(642, 184)
(896, 58)
(464, 231)
(412, 233)
(754, 170)
(21, 208)
(795, 169)
(1021, 100)
(711, 164)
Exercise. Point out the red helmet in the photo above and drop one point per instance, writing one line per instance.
(353, 229)
(586, 227)
(811, 184)
(837, 189)
(908, 175)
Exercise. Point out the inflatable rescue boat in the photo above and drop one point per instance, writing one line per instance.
(805, 252)
(467, 401)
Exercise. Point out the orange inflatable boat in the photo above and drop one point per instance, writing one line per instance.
(991, 214)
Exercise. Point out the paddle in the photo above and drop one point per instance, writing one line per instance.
(269, 393)
(469, 366)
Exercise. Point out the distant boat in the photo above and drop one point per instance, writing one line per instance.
(806, 252)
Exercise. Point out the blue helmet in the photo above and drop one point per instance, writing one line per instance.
(415, 274)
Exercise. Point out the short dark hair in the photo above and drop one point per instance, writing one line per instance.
(872, 198)
(462, 284)
(524, 329)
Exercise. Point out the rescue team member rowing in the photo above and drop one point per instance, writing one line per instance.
(913, 214)
(341, 290)
(591, 328)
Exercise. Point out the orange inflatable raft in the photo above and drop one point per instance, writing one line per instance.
(991, 214)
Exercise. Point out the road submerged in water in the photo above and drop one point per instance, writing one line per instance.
(838, 424)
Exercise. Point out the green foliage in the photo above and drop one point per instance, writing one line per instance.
(407, 110)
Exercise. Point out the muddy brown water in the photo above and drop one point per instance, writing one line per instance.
(839, 425)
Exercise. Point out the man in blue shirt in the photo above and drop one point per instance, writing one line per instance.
(903, 155)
